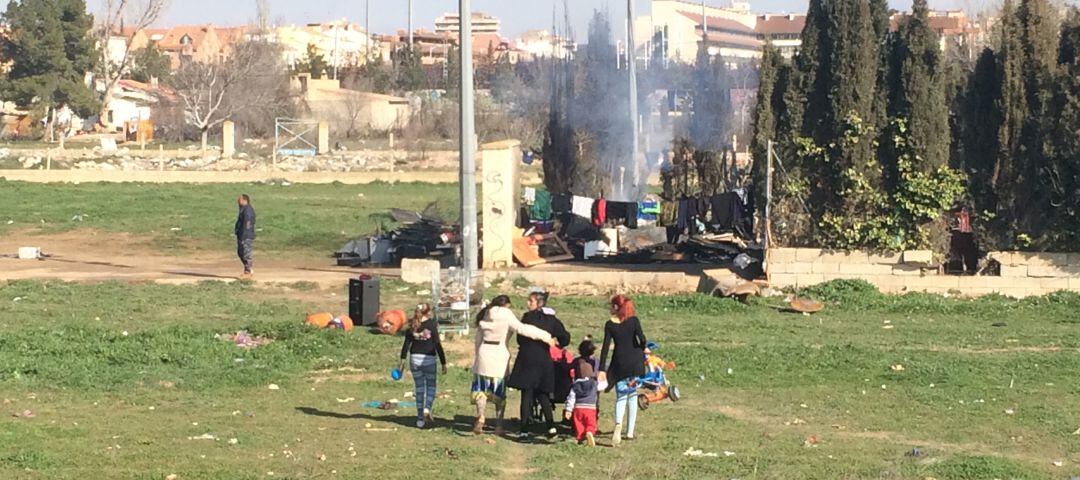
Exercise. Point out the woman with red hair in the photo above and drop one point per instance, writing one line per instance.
(627, 363)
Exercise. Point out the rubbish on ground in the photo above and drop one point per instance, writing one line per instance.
(29, 253)
(396, 374)
(728, 453)
(1009, 411)
(796, 421)
(24, 414)
(327, 320)
(896, 367)
(205, 436)
(171, 476)
(887, 327)
(805, 305)
(1077, 432)
(322, 457)
(409, 394)
(811, 441)
(346, 400)
(693, 452)
(233, 441)
(451, 454)
(388, 405)
(915, 452)
(390, 322)
(1057, 463)
(490, 441)
(999, 324)
(273, 386)
(540, 249)
(174, 229)
(242, 339)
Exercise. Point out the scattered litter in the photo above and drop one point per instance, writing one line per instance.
(243, 339)
(1057, 463)
(451, 454)
(273, 386)
(171, 476)
(887, 327)
(166, 384)
(883, 386)
(205, 436)
(490, 441)
(346, 400)
(839, 427)
(409, 394)
(728, 453)
(24, 414)
(693, 452)
(701, 377)
(322, 457)
(16, 299)
(78, 218)
(811, 441)
(233, 441)
(796, 421)
(151, 408)
(1009, 411)
(896, 367)
(803, 405)
(915, 452)
(175, 229)
(10, 222)
(1077, 432)
(730, 371)
(999, 324)
(366, 425)
(124, 333)
(388, 405)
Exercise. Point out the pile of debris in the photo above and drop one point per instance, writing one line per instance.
(421, 235)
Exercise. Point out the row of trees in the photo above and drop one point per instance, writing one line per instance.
(880, 133)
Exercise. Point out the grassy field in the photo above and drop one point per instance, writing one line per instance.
(125, 379)
(301, 220)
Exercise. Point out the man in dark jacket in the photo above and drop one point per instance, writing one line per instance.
(245, 233)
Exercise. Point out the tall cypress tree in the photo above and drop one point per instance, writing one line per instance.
(1039, 38)
(1064, 188)
(1012, 101)
(800, 95)
(764, 116)
(919, 91)
(710, 125)
(982, 123)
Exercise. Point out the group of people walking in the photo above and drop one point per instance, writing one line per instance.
(543, 372)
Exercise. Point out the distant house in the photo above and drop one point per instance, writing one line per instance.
(783, 31)
(134, 103)
(341, 43)
(324, 99)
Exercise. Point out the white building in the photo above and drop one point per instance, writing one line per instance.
(543, 44)
(481, 23)
(340, 42)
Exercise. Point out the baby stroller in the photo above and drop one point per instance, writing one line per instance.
(654, 386)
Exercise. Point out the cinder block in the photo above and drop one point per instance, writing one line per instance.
(865, 269)
(793, 267)
(1074, 284)
(937, 282)
(884, 258)
(1014, 271)
(783, 279)
(918, 256)
(1004, 258)
(1041, 259)
(907, 270)
(1053, 284)
(853, 256)
(807, 279)
(783, 255)
(825, 268)
(1052, 272)
(807, 254)
(1074, 259)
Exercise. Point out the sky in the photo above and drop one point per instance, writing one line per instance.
(388, 15)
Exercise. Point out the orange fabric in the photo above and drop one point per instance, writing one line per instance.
(390, 321)
(320, 320)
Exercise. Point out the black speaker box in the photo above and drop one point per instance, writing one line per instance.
(363, 300)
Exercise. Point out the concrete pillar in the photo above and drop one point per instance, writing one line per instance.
(501, 193)
(228, 139)
(324, 138)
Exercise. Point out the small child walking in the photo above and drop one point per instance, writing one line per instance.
(421, 346)
(581, 404)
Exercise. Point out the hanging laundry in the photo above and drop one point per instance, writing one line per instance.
(599, 212)
(623, 212)
(524, 220)
(669, 211)
(581, 206)
(541, 208)
(560, 203)
(529, 194)
(726, 211)
(579, 228)
(682, 216)
(649, 211)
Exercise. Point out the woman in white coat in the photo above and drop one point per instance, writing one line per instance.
(495, 324)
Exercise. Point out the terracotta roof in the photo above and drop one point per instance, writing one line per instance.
(158, 90)
(724, 39)
(197, 33)
(780, 24)
(718, 23)
(228, 36)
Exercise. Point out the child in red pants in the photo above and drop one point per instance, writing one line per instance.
(581, 404)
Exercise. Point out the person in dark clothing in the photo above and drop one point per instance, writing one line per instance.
(962, 247)
(627, 362)
(421, 346)
(534, 370)
(245, 234)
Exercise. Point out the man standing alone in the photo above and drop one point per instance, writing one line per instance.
(245, 233)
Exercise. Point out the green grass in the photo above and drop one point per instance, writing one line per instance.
(301, 220)
(110, 405)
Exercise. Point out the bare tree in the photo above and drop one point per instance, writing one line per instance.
(262, 8)
(124, 19)
(252, 81)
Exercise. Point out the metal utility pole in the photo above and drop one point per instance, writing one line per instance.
(410, 25)
(704, 23)
(632, 63)
(367, 30)
(469, 231)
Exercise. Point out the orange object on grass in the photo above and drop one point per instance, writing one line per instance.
(328, 320)
(390, 321)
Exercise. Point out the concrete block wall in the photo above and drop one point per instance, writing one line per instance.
(1023, 274)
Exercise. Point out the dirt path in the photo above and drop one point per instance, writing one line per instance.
(88, 256)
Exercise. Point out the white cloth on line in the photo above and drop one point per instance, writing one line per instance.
(530, 195)
(581, 206)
